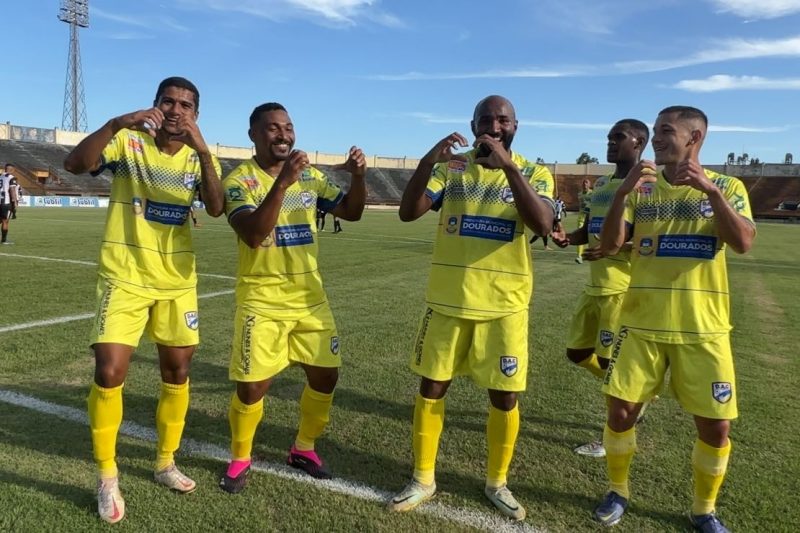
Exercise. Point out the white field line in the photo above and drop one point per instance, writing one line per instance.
(85, 316)
(469, 517)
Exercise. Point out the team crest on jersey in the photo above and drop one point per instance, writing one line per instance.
(250, 182)
(135, 143)
(722, 391)
(506, 195)
(235, 194)
(192, 320)
(188, 180)
(705, 209)
(646, 246)
(541, 186)
(527, 171)
(508, 365)
(738, 203)
(136, 204)
(456, 166)
(646, 189)
(335, 345)
(452, 225)
(606, 338)
(307, 199)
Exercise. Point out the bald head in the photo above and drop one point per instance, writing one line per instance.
(495, 116)
(493, 100)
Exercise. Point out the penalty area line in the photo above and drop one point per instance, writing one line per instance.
(469, 517)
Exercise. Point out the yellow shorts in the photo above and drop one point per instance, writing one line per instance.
(262, 347)
(593, 325)
(494, 353)
(122, 317)
(702, 378)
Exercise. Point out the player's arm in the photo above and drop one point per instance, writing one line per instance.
(86, 157)
(254, 225)
(415, 202)
(210, 184)
(616, 232)
(734, 229)
(352, 205)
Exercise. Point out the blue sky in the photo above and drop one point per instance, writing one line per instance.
(393, 77)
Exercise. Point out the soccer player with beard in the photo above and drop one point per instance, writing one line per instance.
(282, 313)
(479, 290)
(595, 322)
(147, 279)
(676, 313)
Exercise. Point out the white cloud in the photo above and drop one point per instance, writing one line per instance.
(758, 9)
(485, 74)
(148, 22)
(723, 82)
(746, 129)
(130, 36)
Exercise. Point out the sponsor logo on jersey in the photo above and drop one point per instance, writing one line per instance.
(646, 246)
(293, 235)
(508, 365)
(647, 211)
(541, 186)
(192, 320)
(189, 179)
(606, 338)
(307, 199)
(452, 224)
(456, 166)
(335, 345)
(695, 246)
(722, 391)
(235, 194)
(306, 176)
(506, 195)
(596, 225)
(136, 204)
(135, 143)
(738, 203)
(247, 342)
(171, 214)
(250, 182)
(705, 209)
(497, 229)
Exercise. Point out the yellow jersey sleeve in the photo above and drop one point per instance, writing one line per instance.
(238, 196)
(438, 180)
(329, 194)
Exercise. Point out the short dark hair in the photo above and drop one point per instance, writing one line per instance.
(684, 112)
(8, 165)
(637, 126)
(180, 83)
(264, 108)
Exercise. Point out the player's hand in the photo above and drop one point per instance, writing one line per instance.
(560, 236)
(692, 174)
(643, 172)
(146, 120)
(592, 253)
(356, 163)
(443, 150)
(497, 158)
(190, 134)
(293, 167)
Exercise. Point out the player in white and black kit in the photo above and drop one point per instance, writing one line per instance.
(8, 199)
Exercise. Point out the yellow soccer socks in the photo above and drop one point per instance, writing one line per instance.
(170, 420)
(502, 429)
(315, 410)
(709, 465)
(243, 420)
(428, 424)
(105, 418)
(620, 448)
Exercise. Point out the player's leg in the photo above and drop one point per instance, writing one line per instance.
(5, 213)
(244, 414)
(579, 248)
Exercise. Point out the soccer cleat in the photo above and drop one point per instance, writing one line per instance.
(174, 479)
(110, 504)
(708, 523)
(505, 502)
(413, 495)
(591, 449)
(611, 509)
(309, 462)
(579, 260)
(234, 485)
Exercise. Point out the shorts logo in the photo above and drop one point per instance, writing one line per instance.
(722, 391)
(192, 320)
(646, 246)
(247, 342)
(705, 209)
(307, 199)
(496, 229)
(188, 180)
(506, 195)
(136, 203)
(452, 225)
(508, 365)
(421, 336)
(455, 166)
(606, 338)
(235, 194)
(694, 246)
(335, 345)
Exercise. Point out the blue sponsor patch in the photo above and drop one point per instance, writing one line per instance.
(596, 225)
(174, 215)
(722, 391)
(498, 229)
(697, 246)
(293, 235)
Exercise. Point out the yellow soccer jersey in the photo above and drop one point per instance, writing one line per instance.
(585, 200)
(610, 275)
(147, 245)
(679, 279)
(481, 267)
(280, 278)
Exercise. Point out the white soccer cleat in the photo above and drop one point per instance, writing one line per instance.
(110, 504)
(174, 479)
(505, 502)
(591, 449)
(413, 495)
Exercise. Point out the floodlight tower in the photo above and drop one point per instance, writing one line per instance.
(76, 14)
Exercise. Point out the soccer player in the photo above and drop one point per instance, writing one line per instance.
(8, 200)
(476, 320)
(585, 201)
(676, 313)
(282, 313)
(147, 278)
(595, 321)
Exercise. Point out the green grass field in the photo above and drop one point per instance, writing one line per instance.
(375, 274)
